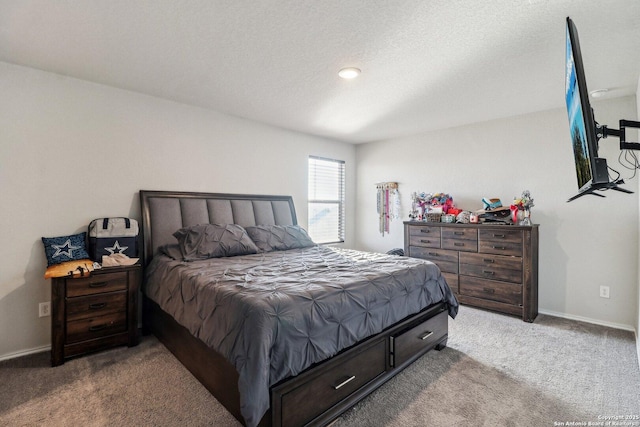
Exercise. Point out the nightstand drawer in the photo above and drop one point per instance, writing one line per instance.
(95, 284)
(96, 305)
(96, 327)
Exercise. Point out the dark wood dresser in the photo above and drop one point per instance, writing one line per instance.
(492, 266)
(95, 312)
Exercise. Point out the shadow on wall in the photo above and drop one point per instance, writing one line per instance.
(22, 328)
(551, 284)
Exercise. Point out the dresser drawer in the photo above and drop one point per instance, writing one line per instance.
(427, 241)
(321, 392)
(95, 284)
(425, 236)
(424, 230)
(500, 242)
(460, 245)
(96, 305)
(452, 280)
(410, 342)
(446, 260)
(460, 239)
(494, 290)
(96, 327)
(494, 267)
(459, 233)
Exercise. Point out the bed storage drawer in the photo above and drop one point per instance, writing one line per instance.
(417, 339)
(342, 376)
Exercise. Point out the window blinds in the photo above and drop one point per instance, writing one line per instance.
(326, 200)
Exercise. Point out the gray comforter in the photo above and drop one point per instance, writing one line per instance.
(274, 314)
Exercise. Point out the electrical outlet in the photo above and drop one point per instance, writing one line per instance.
(44, 309)
(604, 292)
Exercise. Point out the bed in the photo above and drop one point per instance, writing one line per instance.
(284, 332)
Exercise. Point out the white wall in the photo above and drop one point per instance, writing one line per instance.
(583, 244)
(71, 151)
(638, 310)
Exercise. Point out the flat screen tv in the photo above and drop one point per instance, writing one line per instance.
(589, 168)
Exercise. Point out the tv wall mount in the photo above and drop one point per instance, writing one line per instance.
(603, 132)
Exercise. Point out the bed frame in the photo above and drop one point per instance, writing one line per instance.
(324, 391)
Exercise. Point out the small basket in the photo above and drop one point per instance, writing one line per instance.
(449, 218)
(433, 217)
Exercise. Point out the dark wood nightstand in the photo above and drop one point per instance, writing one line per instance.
(95, 312)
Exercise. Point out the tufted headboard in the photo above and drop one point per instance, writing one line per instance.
(164, 212)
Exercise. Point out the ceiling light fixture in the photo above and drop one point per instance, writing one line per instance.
(598, 93)
(349, 73)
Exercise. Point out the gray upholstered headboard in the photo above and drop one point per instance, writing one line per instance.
(164, 212)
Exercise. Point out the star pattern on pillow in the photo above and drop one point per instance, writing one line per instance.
(61, 251)
(116, 248)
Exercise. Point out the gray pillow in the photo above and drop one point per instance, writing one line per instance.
(279, 237)
(172, 251)
(214, 241)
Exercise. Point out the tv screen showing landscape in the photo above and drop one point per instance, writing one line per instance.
(577, 120)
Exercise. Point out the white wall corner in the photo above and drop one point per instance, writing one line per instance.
(638, 302)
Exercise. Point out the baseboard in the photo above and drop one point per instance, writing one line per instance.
(590, 320)
(638, 347)
(25, 352)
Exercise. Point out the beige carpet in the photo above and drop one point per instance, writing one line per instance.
(496, 371)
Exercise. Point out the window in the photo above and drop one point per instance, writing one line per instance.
(326, 200)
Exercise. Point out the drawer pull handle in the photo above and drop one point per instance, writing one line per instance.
(502, 248)
(425, 241)
(98, 285)
(499, 235)
(458, 244)
(491, 261)
(345, 382)
(97, 327)
(489, 290)
(459, 233)
(97, 305)
(491, 273)
(433, 253)
(426, 335)
(425, 230)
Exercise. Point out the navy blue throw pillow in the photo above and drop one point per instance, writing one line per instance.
(65, 248)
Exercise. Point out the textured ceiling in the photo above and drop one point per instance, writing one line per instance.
(425, 64)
